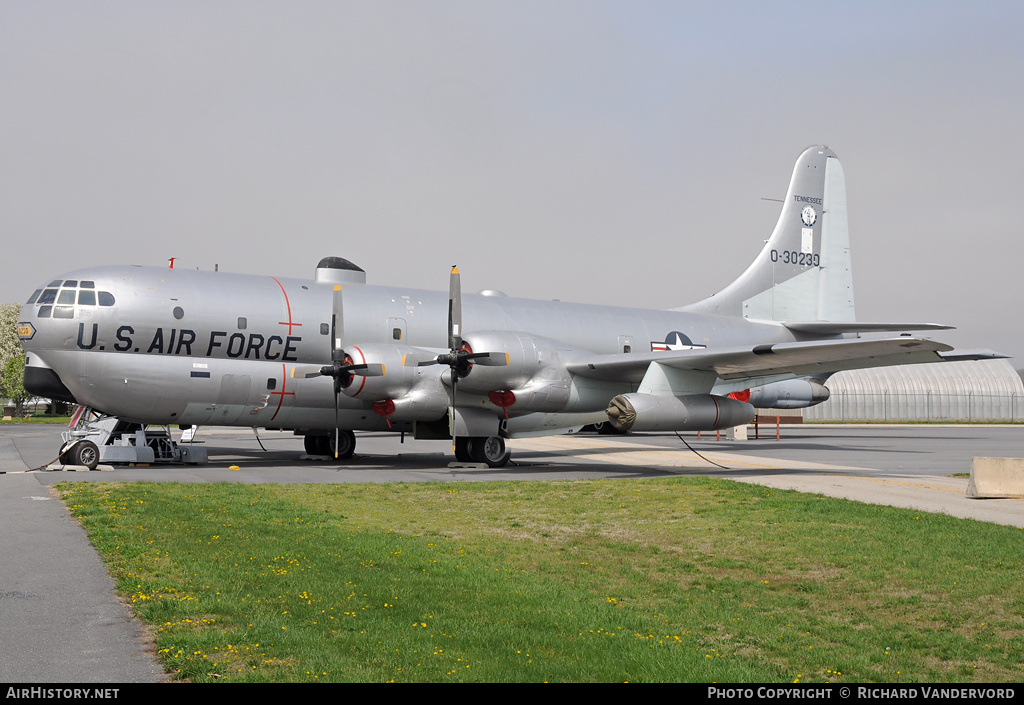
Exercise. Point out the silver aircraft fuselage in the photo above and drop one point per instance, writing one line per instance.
(191, 347)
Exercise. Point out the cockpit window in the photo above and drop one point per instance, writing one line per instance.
(55, 282)
(86, 296)
(63, 311)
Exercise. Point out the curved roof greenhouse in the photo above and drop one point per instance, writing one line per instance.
(986, 390)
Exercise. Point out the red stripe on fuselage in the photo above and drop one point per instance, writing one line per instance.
(288, 304)
(363, 383)
(282, 393)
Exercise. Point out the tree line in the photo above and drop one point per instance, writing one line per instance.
(12, 359)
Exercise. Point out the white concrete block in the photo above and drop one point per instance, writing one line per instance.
(736, 433)
(996, 478)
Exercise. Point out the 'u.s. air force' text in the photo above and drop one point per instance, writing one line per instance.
(174, 341)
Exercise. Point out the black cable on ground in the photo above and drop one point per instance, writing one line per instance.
(698, 454)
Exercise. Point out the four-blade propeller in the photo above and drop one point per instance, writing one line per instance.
(342, 368)
(460, 357)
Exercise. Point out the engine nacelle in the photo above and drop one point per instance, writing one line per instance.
(693, 412)
(789, 394)
(427, 401)
(534, 380)
(405, 392)
(397, 380)
(544, 394)
(525, 361)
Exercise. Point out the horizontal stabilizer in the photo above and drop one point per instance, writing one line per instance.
(840, 327)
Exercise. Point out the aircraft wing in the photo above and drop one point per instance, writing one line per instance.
(800, 359)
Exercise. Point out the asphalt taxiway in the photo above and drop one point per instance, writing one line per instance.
(60, 620)
(920, 467)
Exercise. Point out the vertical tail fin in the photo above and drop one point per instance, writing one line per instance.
(803, 273)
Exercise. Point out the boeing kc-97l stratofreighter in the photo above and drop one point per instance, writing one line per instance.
(324, 357)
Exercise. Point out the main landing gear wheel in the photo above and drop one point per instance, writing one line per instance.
(346, 445)
(324, 445)
(462, 450)
(478, 449)
(312, 445)
(82, 453)
(490, 450)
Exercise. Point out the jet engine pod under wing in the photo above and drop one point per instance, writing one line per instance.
(788, 394)
(692, 412)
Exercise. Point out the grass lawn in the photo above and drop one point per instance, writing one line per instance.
(686, 579)
(58, 420)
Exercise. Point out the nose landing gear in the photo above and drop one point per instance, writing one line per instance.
(84, 453)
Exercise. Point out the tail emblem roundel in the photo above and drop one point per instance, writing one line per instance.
(808, 216)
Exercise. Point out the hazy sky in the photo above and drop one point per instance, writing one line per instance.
(611, 152)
